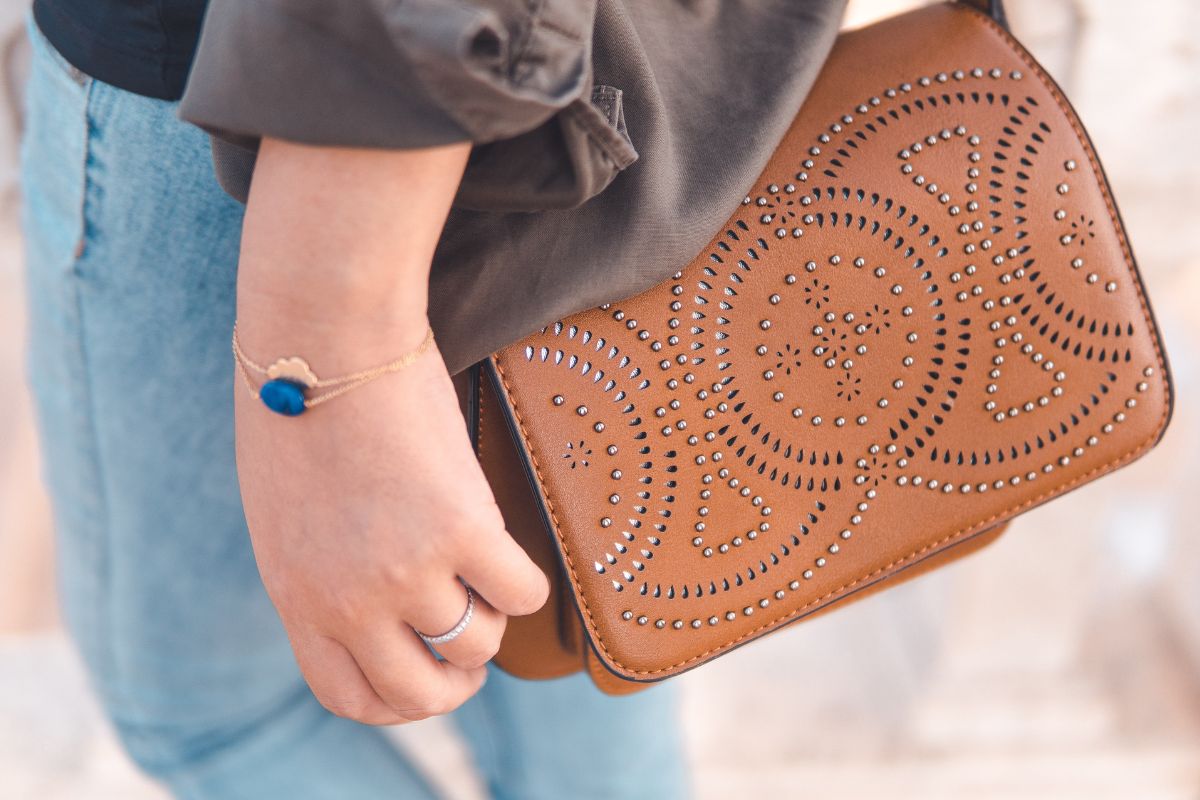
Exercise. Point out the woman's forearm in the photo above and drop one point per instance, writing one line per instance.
(369, 515)
(337, 246)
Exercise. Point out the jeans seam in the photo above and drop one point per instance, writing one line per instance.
(103, 615)
(85, 171)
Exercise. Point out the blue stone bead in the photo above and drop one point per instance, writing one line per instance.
(283, 397)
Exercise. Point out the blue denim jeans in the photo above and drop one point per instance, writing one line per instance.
(132, 256)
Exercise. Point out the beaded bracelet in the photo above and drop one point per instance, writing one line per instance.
(288, 380)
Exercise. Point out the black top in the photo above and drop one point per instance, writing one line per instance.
(143, 46)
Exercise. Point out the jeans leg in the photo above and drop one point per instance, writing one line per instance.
(132, 251)
(545, 740)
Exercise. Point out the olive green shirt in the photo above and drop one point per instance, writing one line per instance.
(612, 138)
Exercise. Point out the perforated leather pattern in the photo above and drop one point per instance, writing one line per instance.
(924, 319)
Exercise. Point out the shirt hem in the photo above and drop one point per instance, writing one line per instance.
(162, 76)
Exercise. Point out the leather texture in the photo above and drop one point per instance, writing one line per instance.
(924, 319)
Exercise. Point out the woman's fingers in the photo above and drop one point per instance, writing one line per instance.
(338, 683)
(407, 677)
(387, 676)
(500, 570)
(443, 608)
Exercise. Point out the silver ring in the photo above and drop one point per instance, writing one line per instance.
(457, 630)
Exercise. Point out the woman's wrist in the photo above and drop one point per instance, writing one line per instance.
(336, 251)
(332, 340)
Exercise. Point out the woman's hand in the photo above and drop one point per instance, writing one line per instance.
(368, 512)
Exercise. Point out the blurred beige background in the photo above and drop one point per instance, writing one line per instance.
(1062, 662)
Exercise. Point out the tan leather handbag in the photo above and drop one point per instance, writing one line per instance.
(923, 320)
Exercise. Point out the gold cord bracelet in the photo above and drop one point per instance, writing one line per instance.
(288, 380)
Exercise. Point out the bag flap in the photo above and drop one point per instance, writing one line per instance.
(924, 319)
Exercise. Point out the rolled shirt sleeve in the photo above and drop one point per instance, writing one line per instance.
(555, 94)
(509, 74)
